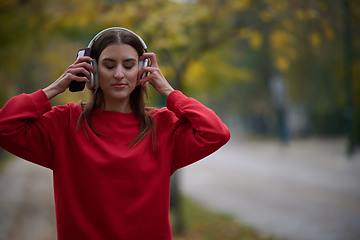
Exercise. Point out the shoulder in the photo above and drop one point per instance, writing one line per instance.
(65, 111)
(163, 116)
(68, 107)
(160, 112)
(172, 102)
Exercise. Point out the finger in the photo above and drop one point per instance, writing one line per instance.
(152, 58)
(87, 66)
(80, 71)
(84, 59)
(143, 80)
(146, 55)
(147, 69)
(141, 72)
(71, 77)
(149, 78)
(84, 65)
(79, 79)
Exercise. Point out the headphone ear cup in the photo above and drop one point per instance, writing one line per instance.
(94, 78)
(141, 64)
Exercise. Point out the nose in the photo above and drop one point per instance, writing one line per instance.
(119, 73)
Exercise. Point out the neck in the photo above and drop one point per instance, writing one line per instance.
(122, 106)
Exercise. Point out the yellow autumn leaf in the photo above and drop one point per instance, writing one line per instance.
(329, 33)
(288, 24)
(300, 14)
(167, 71)
(243, 75)
(311, 13)
(279, 38)
(256, 40)
(195, 73)
(265, 16)
(292, 53)
(282, 64)
(315, 40)
(277, 4)
(240, 5)
(244, 33)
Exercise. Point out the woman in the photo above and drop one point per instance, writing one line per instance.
(112, 158)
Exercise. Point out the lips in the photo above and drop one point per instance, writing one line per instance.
(119, 85)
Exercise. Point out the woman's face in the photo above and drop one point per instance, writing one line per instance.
(118, 69)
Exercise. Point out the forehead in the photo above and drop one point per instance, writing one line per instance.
(119, 51)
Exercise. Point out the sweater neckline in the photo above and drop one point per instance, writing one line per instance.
(98, 112)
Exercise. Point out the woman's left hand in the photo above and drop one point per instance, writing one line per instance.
(155, 76)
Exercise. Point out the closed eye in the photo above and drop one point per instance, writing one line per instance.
(109, 63)
(129, 63)
(128, 66)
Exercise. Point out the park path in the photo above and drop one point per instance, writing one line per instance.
(307, 190)
(26, 202)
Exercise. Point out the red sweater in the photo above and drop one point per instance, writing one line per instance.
(104, 188)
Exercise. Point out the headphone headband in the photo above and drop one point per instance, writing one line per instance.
(120, 29)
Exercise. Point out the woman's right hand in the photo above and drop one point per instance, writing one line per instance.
(81, 65)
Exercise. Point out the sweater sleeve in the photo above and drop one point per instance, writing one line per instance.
(23, 132)
(197, 133)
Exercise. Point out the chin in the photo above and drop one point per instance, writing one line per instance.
(123, 94)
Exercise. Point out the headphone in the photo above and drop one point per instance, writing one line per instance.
(94, 81)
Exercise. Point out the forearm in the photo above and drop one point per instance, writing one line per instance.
(23, 129)
(167, 91)
(51, 91)
(21, 108)
(197, 133)
(73, 72)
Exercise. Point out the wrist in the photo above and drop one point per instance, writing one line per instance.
(167, 92)
(51, 91)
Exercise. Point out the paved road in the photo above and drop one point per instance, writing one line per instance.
(306, 191)
(26, 202)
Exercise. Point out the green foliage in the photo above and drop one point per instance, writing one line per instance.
(212, 49)
(203, 224)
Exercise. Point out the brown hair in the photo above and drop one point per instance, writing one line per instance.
(138, 97)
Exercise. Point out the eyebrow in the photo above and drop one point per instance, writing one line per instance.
(126, 60)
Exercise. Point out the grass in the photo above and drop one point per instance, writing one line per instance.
(203, 224)
(5, 158)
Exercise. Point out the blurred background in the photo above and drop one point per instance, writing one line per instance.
(278, 72)
(270, 67)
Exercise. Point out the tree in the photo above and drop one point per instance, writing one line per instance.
(225, 52)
